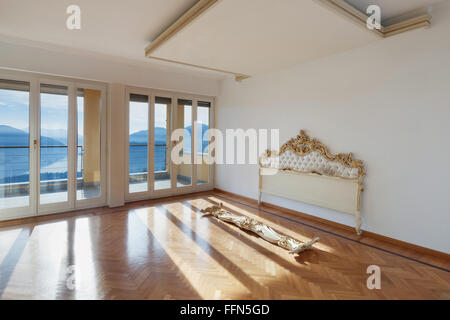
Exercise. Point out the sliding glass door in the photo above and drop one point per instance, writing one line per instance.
(15, 151)
(90, 147)
(203, 160)
(152, 117)
(52, 146)
(138, 141)
(183, 171)
(161, 147)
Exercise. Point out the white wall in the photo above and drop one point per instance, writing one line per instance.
(116, 145)
(90, 66)
(388, 103)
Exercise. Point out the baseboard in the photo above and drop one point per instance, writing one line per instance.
(337, 225)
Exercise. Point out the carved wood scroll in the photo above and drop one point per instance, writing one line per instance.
(264, 231)
(310, 155)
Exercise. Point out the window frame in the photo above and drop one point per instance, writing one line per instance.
(173, 191)
(35, 80)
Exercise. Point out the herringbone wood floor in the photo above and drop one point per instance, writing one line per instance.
(165, 249)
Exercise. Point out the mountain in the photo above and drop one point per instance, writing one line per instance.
(57, 134)
(10, 136)
(7, 130)
(141, 137)
(202, 141)
(160, 135)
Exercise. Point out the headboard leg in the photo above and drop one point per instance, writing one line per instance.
(358, 224)
(259, 186)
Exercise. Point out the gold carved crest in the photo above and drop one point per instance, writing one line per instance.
(303, 145)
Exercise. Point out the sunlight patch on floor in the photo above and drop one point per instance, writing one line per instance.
(286, 231)
(85, 267)
(193, 262)
(36, 275)
(7, 238)
(273, 248)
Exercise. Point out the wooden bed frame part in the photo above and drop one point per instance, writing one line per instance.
(305, 171)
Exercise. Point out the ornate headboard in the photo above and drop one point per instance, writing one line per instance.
(304, 154)
(321, 178)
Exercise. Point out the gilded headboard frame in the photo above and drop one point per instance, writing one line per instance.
(311, 158)
(303, 145)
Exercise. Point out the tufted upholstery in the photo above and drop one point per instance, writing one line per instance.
(312, 162)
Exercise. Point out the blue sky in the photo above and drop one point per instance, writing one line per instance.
(54, 111)
(14, 107)
(139, 116)
(14, 111)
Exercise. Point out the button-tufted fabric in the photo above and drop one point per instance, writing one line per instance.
(313, 161)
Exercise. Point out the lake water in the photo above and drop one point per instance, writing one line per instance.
(14, 163)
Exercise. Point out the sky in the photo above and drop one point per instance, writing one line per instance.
(54, 111)
(14, 111)
(14, 108)
(139, 116)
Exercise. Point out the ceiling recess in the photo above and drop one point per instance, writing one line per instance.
(208, 24)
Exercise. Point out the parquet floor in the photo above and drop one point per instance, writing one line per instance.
(165, 249)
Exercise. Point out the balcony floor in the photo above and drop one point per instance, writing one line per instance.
(85, 193)
(160, 184)
(48, 197)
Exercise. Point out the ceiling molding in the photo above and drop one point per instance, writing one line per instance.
(189, 16)
(339, 6)
(347, 10)
(343, 8)
(422, 21)
(237, 76)
(200, 7)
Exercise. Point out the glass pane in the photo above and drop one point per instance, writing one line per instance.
(203, 121)
(138, 163)
(184, 120)
(54, 150)
(88, 147)
(162, 131)
(14, 144)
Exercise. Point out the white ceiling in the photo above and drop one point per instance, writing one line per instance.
(242, 36)
(120, 28)
(258, 36)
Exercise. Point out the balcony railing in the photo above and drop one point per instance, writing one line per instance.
(15, 164)
(139, 158)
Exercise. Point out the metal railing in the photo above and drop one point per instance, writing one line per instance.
(138, 163)
(15, 166)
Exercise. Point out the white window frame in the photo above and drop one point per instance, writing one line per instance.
(174, 190)
(35, 209)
